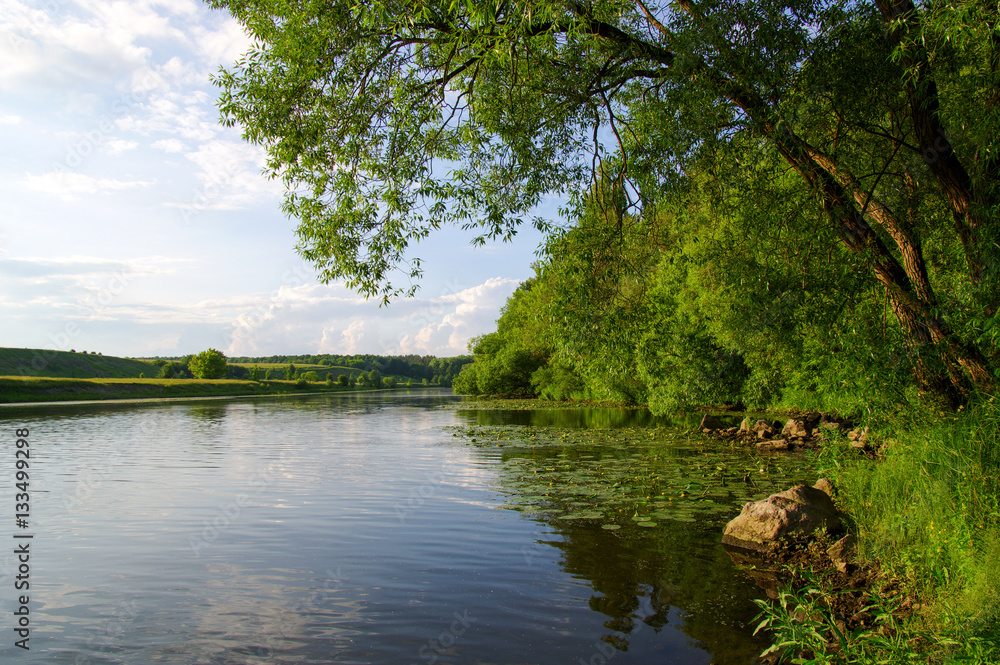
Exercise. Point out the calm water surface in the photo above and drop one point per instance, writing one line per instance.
(337, 529)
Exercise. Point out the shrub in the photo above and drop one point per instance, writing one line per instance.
(209, 364)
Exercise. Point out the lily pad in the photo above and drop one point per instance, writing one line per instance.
(652, 476)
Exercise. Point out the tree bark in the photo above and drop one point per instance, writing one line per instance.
(968, 206)
(942, 365)
(962, 368)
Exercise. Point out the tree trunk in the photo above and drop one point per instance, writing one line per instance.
(969, 206)
(942, 365)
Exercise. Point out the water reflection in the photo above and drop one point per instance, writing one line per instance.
(671, 576)
(639, 519)
(562, 417)
(354, 528)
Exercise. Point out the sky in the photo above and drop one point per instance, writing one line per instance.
(134, 224)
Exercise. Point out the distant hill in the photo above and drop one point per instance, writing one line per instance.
(65, 364)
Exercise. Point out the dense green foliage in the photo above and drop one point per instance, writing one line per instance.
(929, 512)
(505, 361)
(439, 371)
(828, 149)
(209, 364)
(931, 507)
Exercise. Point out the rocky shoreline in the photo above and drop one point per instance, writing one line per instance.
(798, 540)
(806, 430)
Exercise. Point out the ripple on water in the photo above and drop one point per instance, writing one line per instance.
(354, 529)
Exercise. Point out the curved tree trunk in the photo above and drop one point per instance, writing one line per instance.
(969, 205)
(942, 365)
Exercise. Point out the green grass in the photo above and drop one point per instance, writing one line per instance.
(928, 510)
(31, 389)
(63, 364)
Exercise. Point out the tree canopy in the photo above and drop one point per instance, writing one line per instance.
(389, 119)
(209, 364)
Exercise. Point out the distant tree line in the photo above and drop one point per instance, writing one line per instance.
(371, 370)
(439, 371)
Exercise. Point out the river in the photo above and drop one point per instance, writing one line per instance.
(365, 528)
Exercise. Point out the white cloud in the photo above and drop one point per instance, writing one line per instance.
(230, 176)
(127, 21)
(118, 146)
(224, 44)
(318, 318)
(359, 337)
(461, 316)
(67, 185)
(71, 276)
(64, 50)
(84, 288)
(166, 111)
(169, 145)
(185, 8)
(10, 119)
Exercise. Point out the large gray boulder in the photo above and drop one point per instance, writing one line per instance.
(798, 511)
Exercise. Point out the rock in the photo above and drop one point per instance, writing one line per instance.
(812, 419)
(800, 510)
(796, 428)
(778, 444)
(825, 485)
(858, 437)
(827, 421)
(745, 425)
(842, 551)
(710, 423)
(763, 429)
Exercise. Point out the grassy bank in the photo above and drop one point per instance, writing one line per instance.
(70, 364)
(927, 512)
(30, 389)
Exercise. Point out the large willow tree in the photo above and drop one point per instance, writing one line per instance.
(387, 119)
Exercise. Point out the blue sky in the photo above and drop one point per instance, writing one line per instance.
(134, 224)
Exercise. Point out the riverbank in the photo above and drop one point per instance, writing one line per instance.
(922, 497)
(18, 390)
(926, 510)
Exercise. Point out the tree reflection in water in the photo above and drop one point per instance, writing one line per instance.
(639, 512)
